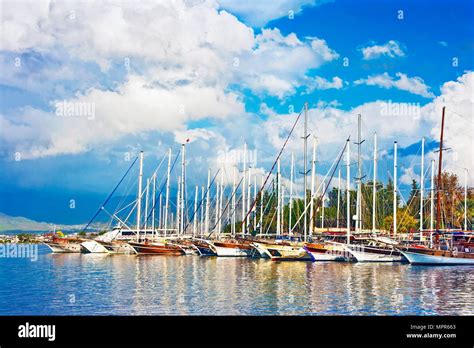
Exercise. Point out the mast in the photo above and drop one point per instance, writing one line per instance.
(208, 202)
(291, 192)
(255, 199)
(278, 231)
(312, 220)
(422, 185)
(146, 203)
(338, 198)
(221, 198)
(139, 196)
(305, 137)
(167, 199)
(178, 208)
(249, 188)
(218, 191)
(261, 207)
(348, 191)
(322, 205)
(153, 202)
(195, 211)
(243, 189)
(440, 166)
(395, 188)
(432, 199)
(183, 188)
(465, 199)
(282, 207)
(374, 187)
(233, 199)
(359, 176)
(201, 225)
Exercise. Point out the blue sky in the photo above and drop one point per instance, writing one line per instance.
(221, 73)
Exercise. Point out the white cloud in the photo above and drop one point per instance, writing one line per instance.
(278, 64)
(321, 83)
(258, 13)
(391, 49)
(414, 85)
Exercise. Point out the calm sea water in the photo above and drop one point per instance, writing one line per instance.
(81, 284)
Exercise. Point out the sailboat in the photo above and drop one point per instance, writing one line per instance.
(59, 243)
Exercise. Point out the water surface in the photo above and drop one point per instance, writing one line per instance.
(88, 284)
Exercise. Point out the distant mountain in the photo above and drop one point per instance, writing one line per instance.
(22, 224)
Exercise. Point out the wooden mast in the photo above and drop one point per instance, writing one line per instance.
(440, 165)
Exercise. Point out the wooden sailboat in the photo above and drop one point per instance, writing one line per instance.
(65, 244)
(430, 256)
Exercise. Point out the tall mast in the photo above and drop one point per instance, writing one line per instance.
(208, 202)
(146, 203)
(153, 203)
(139, 196)
(305, 159)
(312, 220)
(440, 166)
(465, 199)
(218, 191)
(249, 188)
(282, 207)
(195, 211)
(359, 175)
(178, 208)
(160, 214)
(374, 187)
(422, 184)
(432, 191)
(244, 187)
(395, 188)
(255, 199)
(348, 190)
(167, 199)
(338, 198)
(261, 207)
(322, 205)
(183, 187)
(290, 228)
(221, 198)
(278, 231)
(201, 227)
(233, 199)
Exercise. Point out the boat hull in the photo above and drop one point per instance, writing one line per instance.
(91, 246)
(204, 249)
(68, 247)
(277, 252)
(322, 252)
(157, 249)
(421, 258)
(372, 254)
(118, 248)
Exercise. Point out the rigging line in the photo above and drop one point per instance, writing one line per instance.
(225, 208)
(200, 202)
(333, 167)
(110, 195)
(273, 167)
(222, 214)
(163, 184)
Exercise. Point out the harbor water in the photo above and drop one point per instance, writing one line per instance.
(96, 284)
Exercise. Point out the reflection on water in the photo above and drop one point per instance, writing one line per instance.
(75, 284)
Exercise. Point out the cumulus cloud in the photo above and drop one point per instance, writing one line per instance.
(390, 49)
(278, 63)
(259, 13)
(321, 83)
(414, 85)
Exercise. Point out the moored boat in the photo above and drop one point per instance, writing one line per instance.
(437, 257)
(232, 248)
(326, 252)
(156, 248)
(283, 251)
(65, 244)
(366, 253)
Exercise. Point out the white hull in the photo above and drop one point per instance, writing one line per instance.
(325, 256)
(423, 259)
(365, 256)
(235, 252)
(91, 246)
(55, 248)
(64, 247)
(258, 251)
